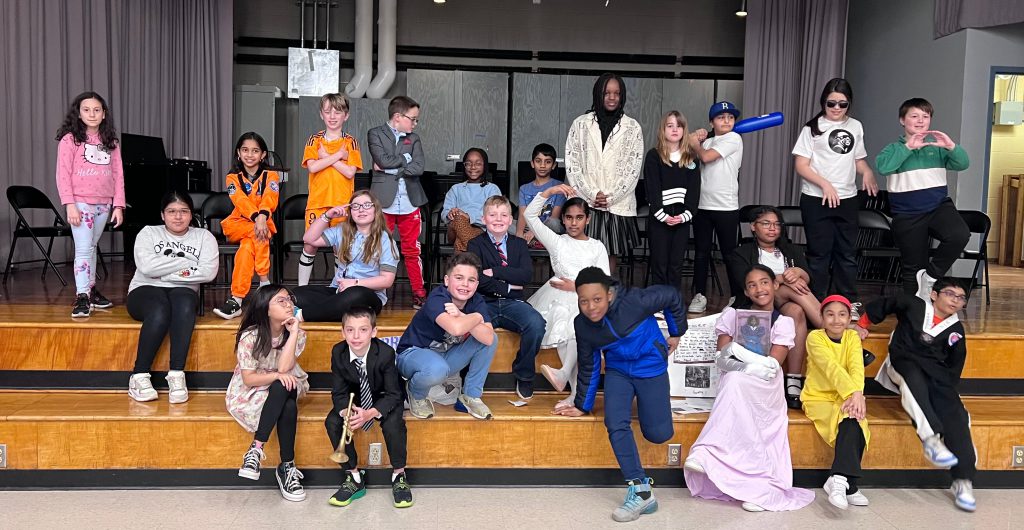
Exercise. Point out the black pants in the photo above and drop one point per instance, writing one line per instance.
(161, 309)
(913, 235)
(724, 225)
(938, 404)
(326, 304)
(849, 452)
(395, 435)
(281, 410)
(668, 250)
(831, 245)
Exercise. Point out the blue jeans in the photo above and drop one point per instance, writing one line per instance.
(653, 409)
(425, 368)
(520, 317)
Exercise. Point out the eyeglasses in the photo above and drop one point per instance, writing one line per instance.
(473, 164)
(952, 294)
(412, 119)
(357, 206)
(286, 301)
(173, 212)
(833, 104)
(769, 224)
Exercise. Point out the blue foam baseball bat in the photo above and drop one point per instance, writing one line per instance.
(758, 122)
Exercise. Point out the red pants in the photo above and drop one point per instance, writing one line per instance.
(252, 255)
(409, 231)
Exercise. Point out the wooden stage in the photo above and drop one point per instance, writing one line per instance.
(66, 420)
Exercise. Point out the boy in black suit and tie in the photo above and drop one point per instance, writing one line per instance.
(365, 366)
(506, 268)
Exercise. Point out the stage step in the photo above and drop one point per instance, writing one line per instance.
(44, 339)
(107, 430)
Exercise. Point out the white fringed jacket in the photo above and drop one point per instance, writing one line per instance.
(613, 170)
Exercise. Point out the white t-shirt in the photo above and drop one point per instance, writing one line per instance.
(776, 263)
(833, 155)
(719, 180)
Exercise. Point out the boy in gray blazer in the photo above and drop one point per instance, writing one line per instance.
(397, 167)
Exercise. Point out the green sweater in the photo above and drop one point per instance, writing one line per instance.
(917, 177)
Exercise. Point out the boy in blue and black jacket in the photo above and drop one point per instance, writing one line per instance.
(619, 322)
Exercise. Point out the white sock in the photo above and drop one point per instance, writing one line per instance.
(794, 380)
(238, 299)
(264, 283)
(394, 475)
(305, 268)
(356, 475)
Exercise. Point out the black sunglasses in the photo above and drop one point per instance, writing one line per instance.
(833, 104)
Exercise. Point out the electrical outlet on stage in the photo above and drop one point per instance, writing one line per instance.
(1016, 461)
(3, 456)
(675, 453)
(374, 456)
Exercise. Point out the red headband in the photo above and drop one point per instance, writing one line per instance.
(836, 298)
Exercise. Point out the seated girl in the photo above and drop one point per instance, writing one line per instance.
(464, 203)
(742, 453)
(833, 398)
(367, 260)
(556, 300)
(793, 298)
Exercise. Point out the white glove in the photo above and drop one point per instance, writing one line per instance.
(726, 363)
(738, 351)
(760, 370)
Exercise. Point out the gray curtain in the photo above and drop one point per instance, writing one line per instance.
(164, 67)
(792, 48)
(952, 16)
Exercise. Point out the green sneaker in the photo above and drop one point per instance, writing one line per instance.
(349, 491)
(401, 491)
(639, 500)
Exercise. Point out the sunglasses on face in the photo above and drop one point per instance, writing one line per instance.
(833, 104)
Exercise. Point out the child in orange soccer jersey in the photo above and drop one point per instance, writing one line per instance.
(255, 191)
(332, 158)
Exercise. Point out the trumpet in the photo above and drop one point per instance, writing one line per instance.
(339, 454)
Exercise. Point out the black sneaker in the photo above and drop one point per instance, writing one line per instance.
(83, 308)
(99, 301)
(229, 309)
(418, 301)
(251, 463)
(349, 491)
(401, 491)
(524, 389)
(288, 481)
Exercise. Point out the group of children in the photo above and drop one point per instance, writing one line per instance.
(581, 310)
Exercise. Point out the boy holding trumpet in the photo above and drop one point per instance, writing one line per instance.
(367, 390)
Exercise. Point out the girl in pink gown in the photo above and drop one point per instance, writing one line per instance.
(742, 454)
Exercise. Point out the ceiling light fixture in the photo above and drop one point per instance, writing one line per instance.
(741, 12)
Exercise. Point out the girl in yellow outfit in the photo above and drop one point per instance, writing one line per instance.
(255, 191)
(833, 398)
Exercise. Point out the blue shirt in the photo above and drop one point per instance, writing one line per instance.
(469, 197)
(359, 269)
(530, 190)
(503, 244)
(423, 331)
(401, 205)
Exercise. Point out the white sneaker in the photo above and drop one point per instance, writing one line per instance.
(857, 499)
(732, 300)
(698, 304)
(963, 495)
(924, 285)
(855, 311)
(694, 466)
(835, 488)
(751, 507)
(937, 453)
(176, 385)
(140, 388)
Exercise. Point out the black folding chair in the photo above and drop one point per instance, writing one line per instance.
(981, 224)
(878, 258)
(293, 210)
(216, 208)
(24, 198)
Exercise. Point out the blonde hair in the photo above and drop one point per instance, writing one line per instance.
(497, 200)
(665, 149)
(372, 248)
(337, 101)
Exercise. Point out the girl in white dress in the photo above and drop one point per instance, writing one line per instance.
(556, 300)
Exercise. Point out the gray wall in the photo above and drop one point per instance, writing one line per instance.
(1002, 46)
(891, 57)
(694, 27)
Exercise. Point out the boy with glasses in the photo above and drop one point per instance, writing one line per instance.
(398, 163)
(927, 352)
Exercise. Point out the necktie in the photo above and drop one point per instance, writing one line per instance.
(504, 260)
(365, 397)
